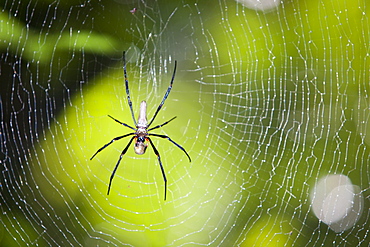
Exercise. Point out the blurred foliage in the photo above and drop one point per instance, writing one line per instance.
(254, 162)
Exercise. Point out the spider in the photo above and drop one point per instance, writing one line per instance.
(141, 134)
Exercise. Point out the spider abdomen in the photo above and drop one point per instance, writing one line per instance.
(142, 121)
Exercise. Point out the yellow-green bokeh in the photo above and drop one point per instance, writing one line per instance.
(198, 192)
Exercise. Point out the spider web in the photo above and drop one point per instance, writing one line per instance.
(272, 105)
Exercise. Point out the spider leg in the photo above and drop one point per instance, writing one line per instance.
(166, 137)
(160, 164)
(119, 160)
(126, 125)
(161, 125)
(113, 140)
(127, 89)
(165, 95)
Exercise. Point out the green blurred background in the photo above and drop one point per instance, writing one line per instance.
(267, 102)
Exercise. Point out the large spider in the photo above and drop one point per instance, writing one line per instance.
(142, 129)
